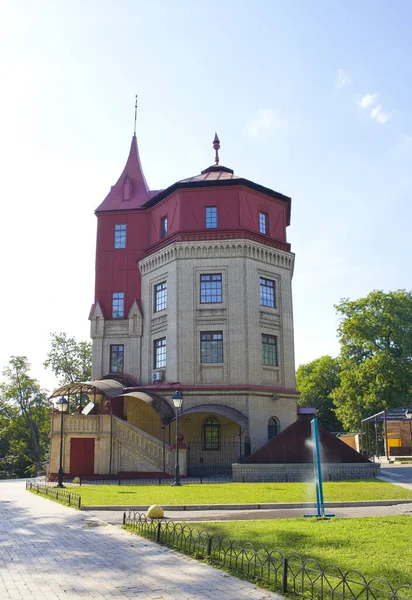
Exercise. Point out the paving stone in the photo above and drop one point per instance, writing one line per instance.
(51, 552)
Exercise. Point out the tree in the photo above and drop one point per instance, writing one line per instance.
(69, 360)
(376, 355)
(316, 381)
(25, 420)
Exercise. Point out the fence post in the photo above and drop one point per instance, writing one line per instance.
(80, 501)
(57, 494)
(209, 546)
(69, 498)
(38, 489)
(159, 524)
(285, 575)
(124, 518)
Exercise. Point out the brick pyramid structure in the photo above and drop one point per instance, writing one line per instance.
(293, 446)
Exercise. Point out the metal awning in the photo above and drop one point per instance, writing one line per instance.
(392, 414)
(108, 387)
(159, 404)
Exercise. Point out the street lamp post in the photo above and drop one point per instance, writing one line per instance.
(62, 405)
(177, 402)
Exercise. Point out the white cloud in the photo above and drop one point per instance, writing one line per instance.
(379, 115)
(368, 100)
(266, 120)
(343, 79)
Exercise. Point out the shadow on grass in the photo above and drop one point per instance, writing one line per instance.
(338, 550)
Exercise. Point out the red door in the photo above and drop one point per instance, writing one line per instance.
(81, 456)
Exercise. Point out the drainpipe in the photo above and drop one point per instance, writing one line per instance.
(111, 438)
(240, 443)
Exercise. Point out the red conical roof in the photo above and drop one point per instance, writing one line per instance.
(131, 189)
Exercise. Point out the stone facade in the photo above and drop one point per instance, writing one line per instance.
(303, 472)
(240, 381)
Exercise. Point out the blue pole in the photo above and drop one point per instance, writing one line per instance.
(318, 468)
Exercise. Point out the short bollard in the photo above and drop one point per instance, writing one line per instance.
(159, 526)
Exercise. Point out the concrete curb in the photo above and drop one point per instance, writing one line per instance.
(190, 507)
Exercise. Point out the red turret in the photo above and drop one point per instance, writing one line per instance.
(131, 189)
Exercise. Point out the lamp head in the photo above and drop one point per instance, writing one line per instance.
(62, 404)
(177, 399)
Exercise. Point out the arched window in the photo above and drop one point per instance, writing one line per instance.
(211, 434)
(273, 427)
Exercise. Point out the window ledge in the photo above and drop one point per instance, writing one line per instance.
(212, 364)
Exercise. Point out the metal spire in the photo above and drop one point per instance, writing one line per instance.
(135, 116)
(216, 146)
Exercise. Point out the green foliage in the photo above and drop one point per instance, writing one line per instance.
(316, 381)
(69, 360)
(376, 355)
(24, 421)
(237, 493)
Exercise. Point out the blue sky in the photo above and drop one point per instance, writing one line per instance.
(310, 98)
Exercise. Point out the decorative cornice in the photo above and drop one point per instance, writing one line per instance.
(243, 248)
(228, 234)
(214, 387)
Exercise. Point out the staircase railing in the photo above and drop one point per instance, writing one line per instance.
(142, 443)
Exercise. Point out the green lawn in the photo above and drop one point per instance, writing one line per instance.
(375, 546)
(237, 493)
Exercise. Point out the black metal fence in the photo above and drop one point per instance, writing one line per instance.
(287, 574)
(63, 495)
(156, 481)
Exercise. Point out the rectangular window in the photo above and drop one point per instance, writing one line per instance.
(160, 353)
(211, 347)
(120, 236)
(118, 305)
(269, 350)
(116, 359)
(211, 434)
(267, 292)
(211, 217)
(163, 227)
(211, 288)
(263, 223)
(160, 296)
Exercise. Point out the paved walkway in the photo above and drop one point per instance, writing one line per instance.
(48, 551)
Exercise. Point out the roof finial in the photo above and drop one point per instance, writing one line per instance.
(135, 116)
(216, 146)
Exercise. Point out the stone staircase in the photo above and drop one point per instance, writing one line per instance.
(137, 451)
